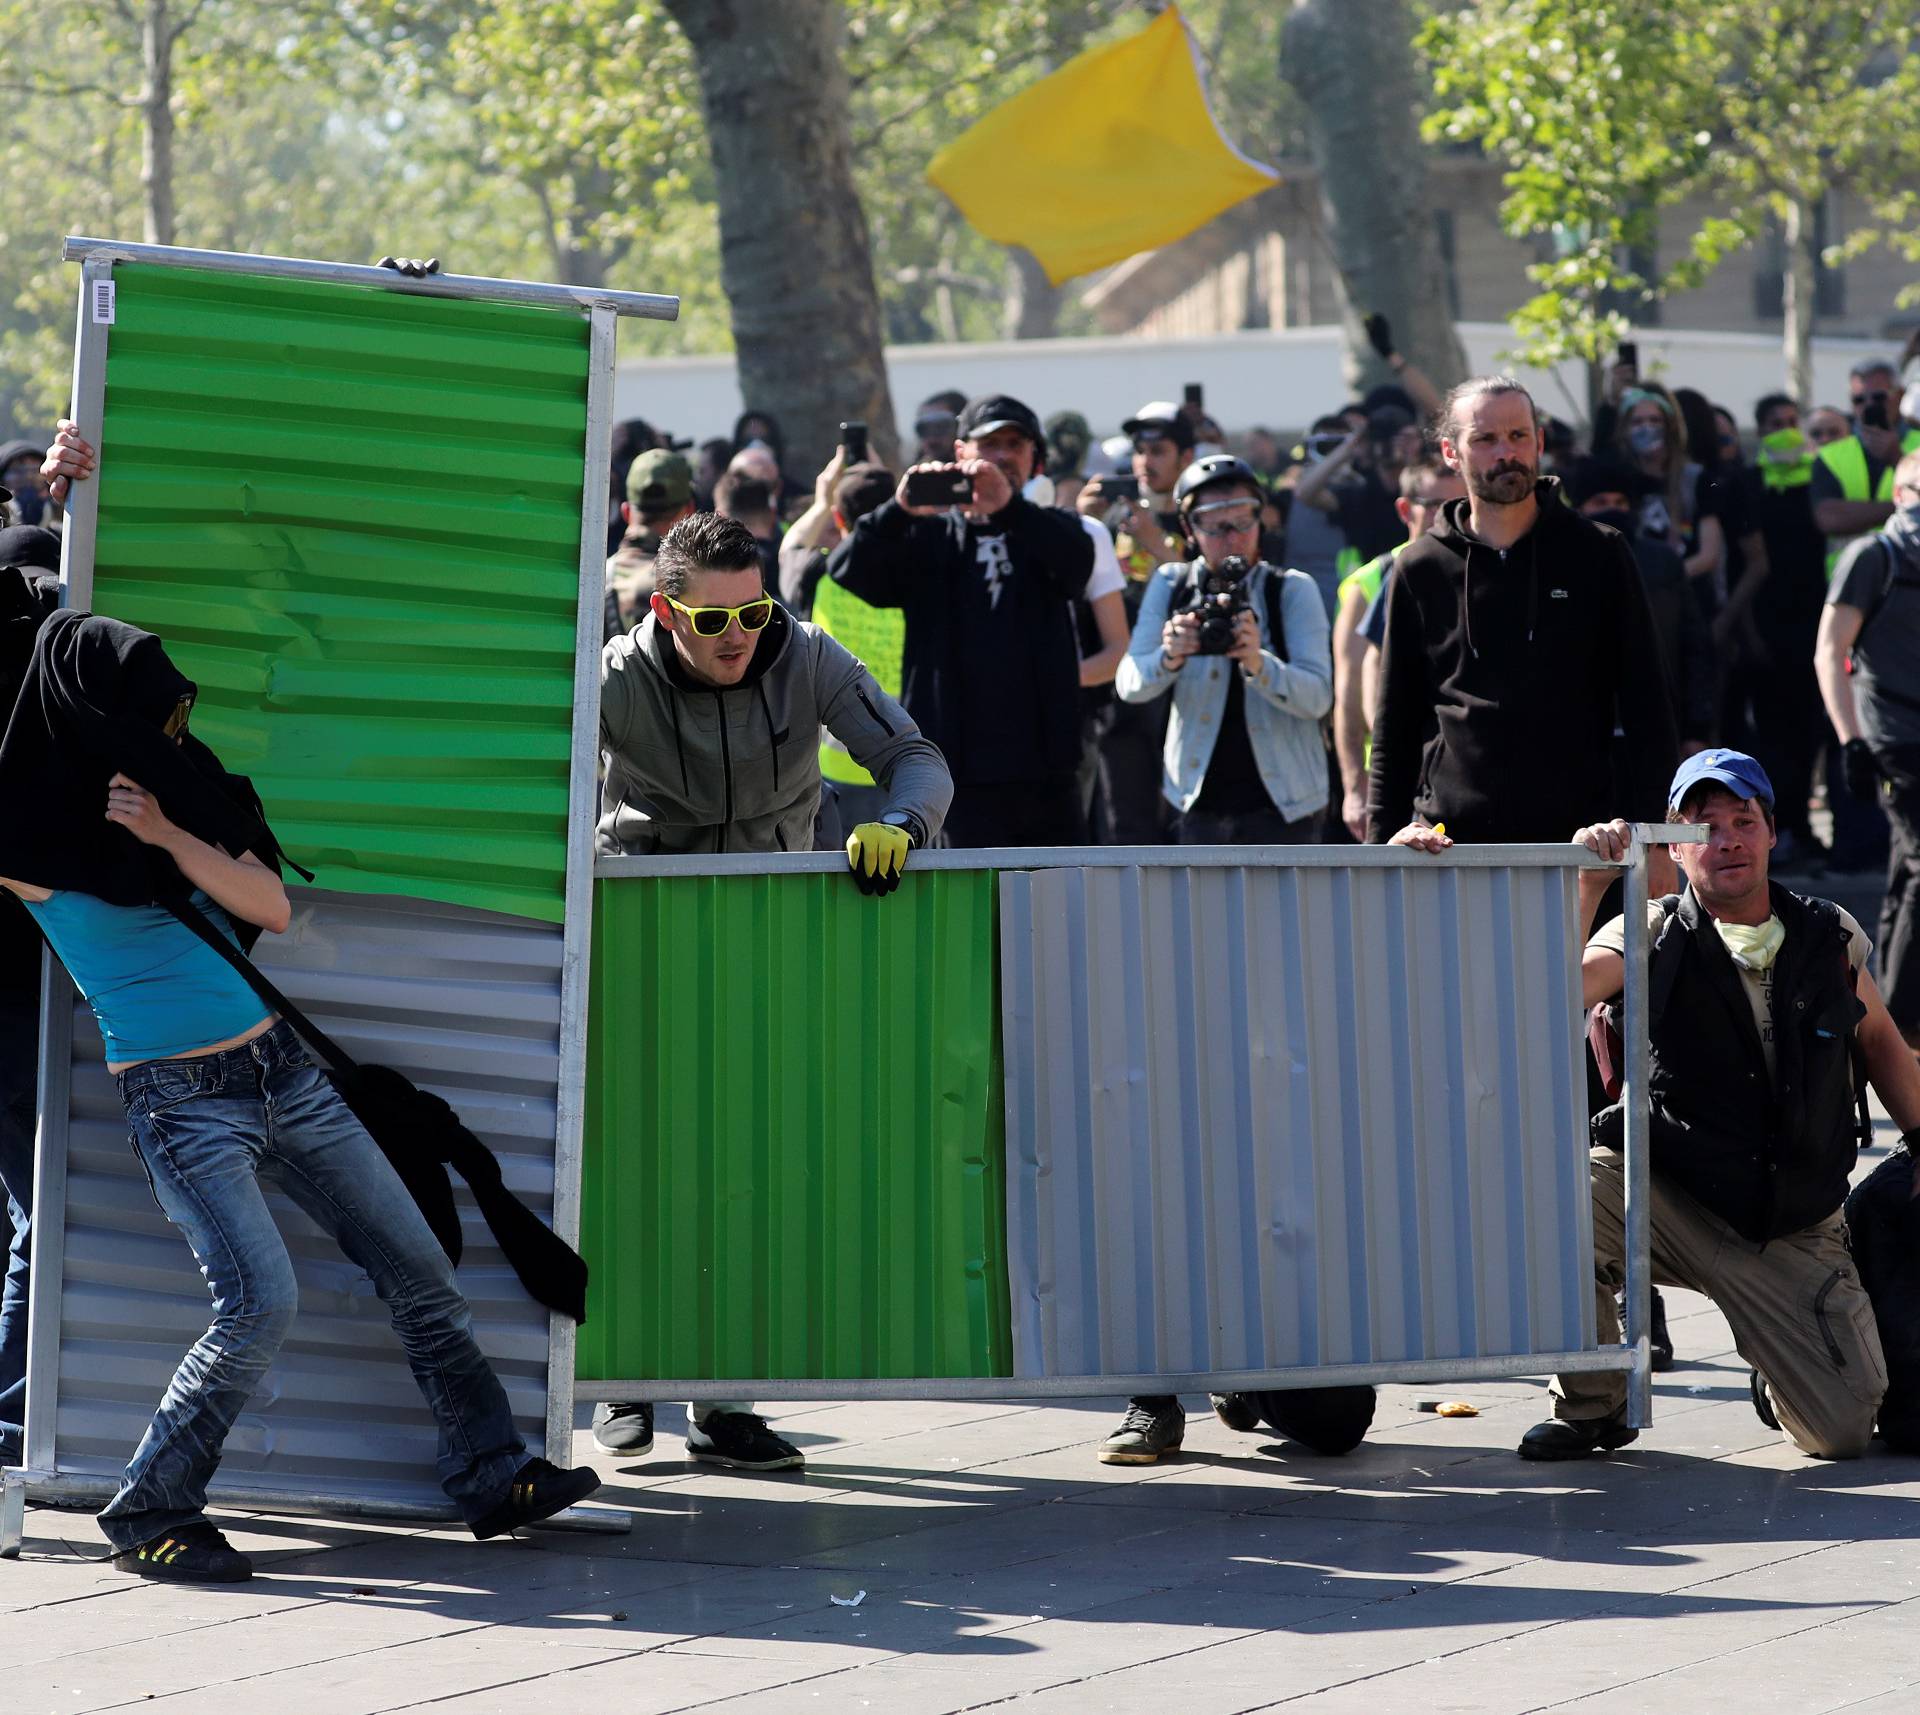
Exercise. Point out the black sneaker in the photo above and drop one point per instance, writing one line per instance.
(624, 1427)
(1236, 1411)
(539, 1490)
(1558, 1438)
(1151, 1430)
(1762, 1406)
(742, 1441)
(193, 1554)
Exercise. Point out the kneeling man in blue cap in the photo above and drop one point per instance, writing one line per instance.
(1765, 1027)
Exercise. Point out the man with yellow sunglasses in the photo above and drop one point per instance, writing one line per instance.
(711, 710)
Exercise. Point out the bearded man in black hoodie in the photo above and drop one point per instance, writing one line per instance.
(1518, 639)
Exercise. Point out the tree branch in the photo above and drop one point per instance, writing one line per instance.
(872, 134)
(911, 40)
(65, 89)
(176, 31)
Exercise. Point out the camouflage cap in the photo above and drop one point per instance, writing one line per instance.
(659, 481)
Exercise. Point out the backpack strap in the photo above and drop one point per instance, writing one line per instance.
(1276, 623)
(256, 979)
(1669, 945)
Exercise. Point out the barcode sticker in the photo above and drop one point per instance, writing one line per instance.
(103, 301)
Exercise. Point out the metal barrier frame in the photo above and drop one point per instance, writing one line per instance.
(602, 309)
(1634, 1357)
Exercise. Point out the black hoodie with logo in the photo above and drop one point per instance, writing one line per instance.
(1506, 674)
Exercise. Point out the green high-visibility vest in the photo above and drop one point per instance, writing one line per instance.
(1847, 459)
(1368, 578)
(877, 636)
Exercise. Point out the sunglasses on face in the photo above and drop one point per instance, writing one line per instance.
(712, 621)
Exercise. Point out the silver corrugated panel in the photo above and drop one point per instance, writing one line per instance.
(465, 1002)
(1260, 1118)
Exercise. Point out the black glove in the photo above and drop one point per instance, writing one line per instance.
(1379, 334)
(411, 266)
(1862, 773)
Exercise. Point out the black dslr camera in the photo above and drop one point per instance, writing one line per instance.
(1219, 598)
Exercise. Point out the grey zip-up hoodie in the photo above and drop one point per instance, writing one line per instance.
(691, 768)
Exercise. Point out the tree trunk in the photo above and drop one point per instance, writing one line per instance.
(1797, 300)
(156, 121)
(1351, 64)
(794, 255)
(1033, 301)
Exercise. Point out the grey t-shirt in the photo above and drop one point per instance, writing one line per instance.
(1886, 656)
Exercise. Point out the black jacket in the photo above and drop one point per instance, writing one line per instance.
(1504, 675)
(990, 667)
(1768, 1158)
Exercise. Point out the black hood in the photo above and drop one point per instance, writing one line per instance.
(1452, 527)
(92, 703)
(28, 545)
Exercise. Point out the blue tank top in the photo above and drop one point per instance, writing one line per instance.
(156, 989)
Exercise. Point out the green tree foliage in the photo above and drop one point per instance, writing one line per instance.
(1606, 112)
(531, 138)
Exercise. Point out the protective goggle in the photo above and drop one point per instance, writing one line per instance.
(713, 621)
(1236, 517)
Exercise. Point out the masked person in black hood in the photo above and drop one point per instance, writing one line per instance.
(1517, 636)
(28, 596)
(127, 811)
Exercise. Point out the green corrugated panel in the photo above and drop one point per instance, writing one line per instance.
(794, 1131)
(354, 515)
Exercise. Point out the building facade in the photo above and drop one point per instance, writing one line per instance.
(1268, 264)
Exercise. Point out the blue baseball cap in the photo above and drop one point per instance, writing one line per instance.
(1738, 772)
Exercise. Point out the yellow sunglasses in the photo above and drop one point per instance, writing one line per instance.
(712, 621)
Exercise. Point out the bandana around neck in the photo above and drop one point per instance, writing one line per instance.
(1754, 946)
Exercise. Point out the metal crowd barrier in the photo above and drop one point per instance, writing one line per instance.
(368, 515)
(1272, 1117)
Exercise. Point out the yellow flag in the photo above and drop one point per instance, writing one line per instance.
(1115, 153)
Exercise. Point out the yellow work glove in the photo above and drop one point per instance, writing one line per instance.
(877, 853)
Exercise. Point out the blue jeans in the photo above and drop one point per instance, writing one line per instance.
(206, 1129)
(19, 1046)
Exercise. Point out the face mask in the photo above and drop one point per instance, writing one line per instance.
(1754, 946)
(1786, 459)
(1621, 521)
(1646, 437)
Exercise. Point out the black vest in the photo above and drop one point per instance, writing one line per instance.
(1768, 1159)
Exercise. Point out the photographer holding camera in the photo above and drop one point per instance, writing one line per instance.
(1246, 651)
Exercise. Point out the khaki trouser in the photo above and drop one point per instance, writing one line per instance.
(1797, 1309)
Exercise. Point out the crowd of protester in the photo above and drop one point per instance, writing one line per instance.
(1735, 520)
(1437, 618)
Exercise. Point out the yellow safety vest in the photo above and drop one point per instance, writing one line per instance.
(1847, 459)
(877, 635)
(1368, 580)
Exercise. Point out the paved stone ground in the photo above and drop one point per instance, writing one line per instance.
(1709, 1568)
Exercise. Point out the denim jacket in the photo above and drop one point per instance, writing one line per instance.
(1284, 702)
